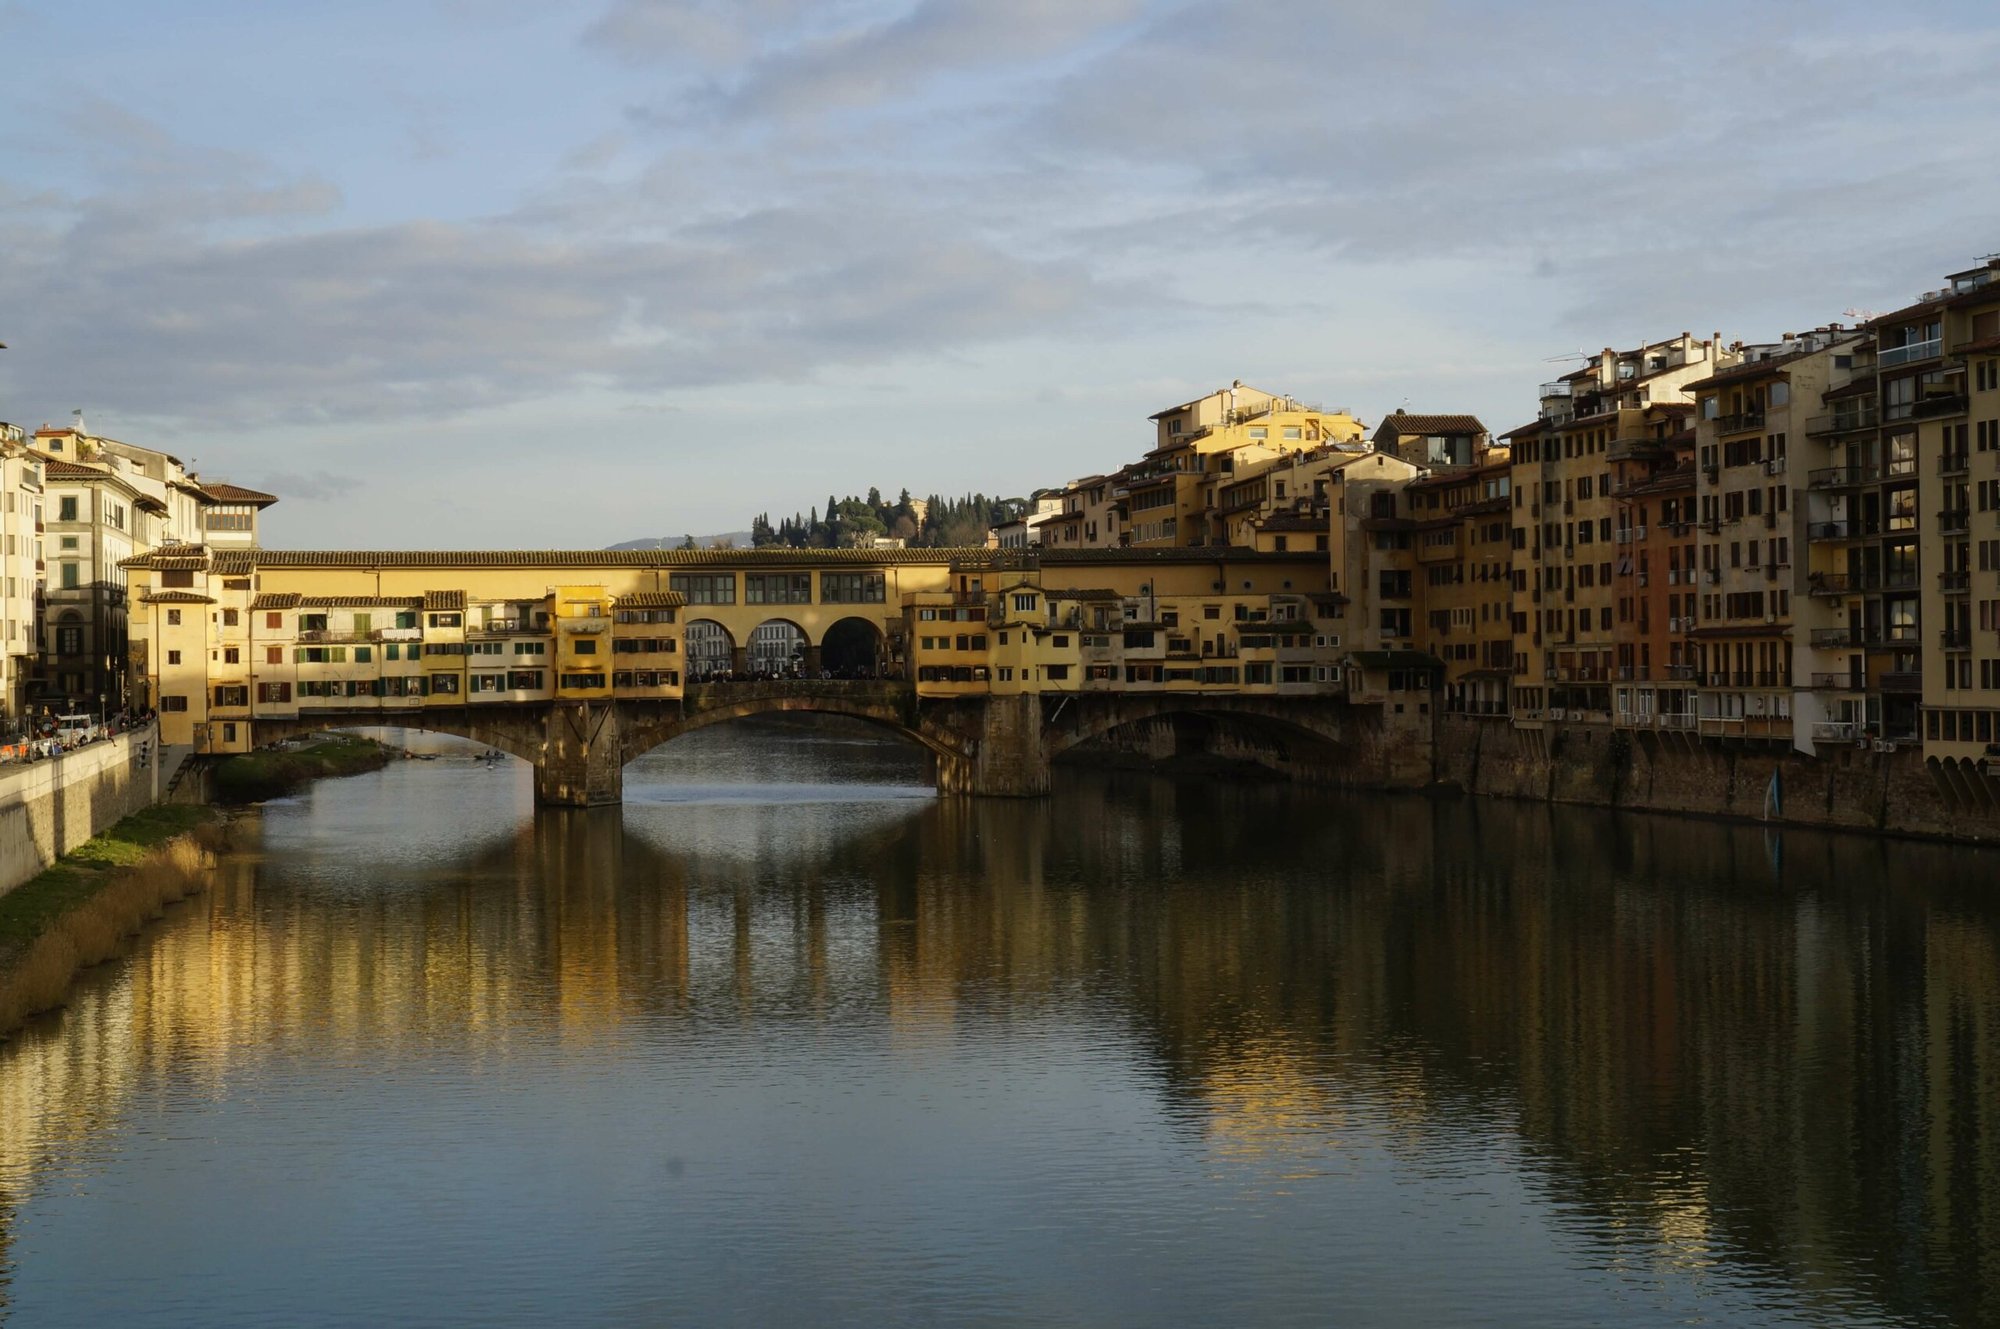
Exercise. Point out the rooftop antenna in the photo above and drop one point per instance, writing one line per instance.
(1578, 354)
(1861, 315)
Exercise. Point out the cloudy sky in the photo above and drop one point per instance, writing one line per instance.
(492, 272)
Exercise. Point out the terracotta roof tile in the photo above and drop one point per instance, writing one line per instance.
(176, 598)
(650, 600)
(1409, 423)
(444, 601)
(276, 600)
(238, 494)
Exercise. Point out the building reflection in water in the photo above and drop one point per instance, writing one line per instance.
(1695, 1056)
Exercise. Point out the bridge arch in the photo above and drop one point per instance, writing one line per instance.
(505, 730)
(853, 647)
(884, 706)
(777, 645)
(1276, 718)
(710, 648)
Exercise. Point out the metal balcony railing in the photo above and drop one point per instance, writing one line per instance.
(1842, 422)
(1908, 353)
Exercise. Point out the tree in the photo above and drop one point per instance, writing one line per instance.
(687, 542)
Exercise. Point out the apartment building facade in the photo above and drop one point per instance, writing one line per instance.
(1566, 596)
(20, 571)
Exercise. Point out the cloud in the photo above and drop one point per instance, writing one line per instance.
(307, 486)
(141, 307)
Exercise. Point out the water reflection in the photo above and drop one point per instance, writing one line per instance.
(1143, 1052)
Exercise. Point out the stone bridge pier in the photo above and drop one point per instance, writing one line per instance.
(582, 762)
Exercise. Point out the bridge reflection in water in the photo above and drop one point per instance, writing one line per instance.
(1747, 1086)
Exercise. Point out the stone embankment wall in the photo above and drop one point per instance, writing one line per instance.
(1375, 753)
(48, 808)
(1842, 788)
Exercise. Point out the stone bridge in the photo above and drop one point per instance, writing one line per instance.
(992, 745)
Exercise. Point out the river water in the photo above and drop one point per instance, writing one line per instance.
(787, 1040)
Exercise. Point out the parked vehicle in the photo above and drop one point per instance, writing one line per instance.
(72, 730)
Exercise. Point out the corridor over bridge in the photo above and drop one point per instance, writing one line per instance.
(578, 661)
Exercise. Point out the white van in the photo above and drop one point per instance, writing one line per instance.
(74, 729)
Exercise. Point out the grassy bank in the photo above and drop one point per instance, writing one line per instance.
(77, 912)
(254, 776)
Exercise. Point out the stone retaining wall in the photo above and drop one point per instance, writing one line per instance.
(48, 808)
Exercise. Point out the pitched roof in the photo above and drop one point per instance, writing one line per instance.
(1089, 593)
(176, 598)
(56, 468)
(650, 600)
(276, 600)
(1405, 422)
(444, 600)
(238, 494)
(1750, 369)
(232, 562)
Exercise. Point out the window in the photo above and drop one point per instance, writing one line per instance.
(705, 588)
(173, 618)
(850, 588)
(1024, 604)
(276, 654)
(232, 655)
(444, 684)
(173, 703)
(530, 648)
(777, 588)
(66, 511)
(274, 620)
(447, 620)
(229, 618)
(71, 576)
(274, 692)
(584, 646)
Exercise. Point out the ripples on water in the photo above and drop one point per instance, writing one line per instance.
(788, 1040)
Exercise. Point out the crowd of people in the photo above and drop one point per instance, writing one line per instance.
(793, 673)
(41, 735)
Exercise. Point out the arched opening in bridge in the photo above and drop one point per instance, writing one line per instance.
(710, 650)
(777, 649)
(852, 648)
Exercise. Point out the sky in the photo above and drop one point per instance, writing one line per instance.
(492, 273)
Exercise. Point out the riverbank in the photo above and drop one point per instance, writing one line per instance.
(81, 909)
(255, 776)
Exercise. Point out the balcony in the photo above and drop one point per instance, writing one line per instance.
(1954, 463)
(1842, 477)
(1834, 530)
(1954, 583)
(1834, 731)
(1737, 422)
(1925, 408)
(1825, 638)
(1909, 353)
(1841, 682)
(1954, 521)
(1832, 583)
(583, 623)
(1842, 422)
(320, 636)
(1903, 680)
(1954, 639)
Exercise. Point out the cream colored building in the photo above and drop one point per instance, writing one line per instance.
(20, 571)
(104, 502)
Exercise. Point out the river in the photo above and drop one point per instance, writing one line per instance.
(788, 1040)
